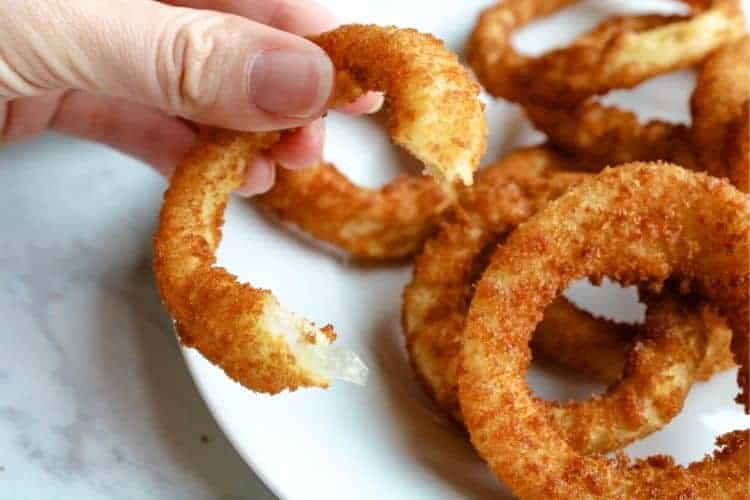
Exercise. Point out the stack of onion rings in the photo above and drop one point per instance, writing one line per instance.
(639, 224)
(435, 115)
(437, 299)
(619, 53)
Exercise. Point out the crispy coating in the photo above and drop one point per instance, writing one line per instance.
(598, 347)
(600, 135)
(437, 299)
(386, 223)
(435, 111)
(241, 329)
(620, 53)
(638, 224)
(435, 115)
(720, 105)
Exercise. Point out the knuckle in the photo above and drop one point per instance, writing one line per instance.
(192, 48)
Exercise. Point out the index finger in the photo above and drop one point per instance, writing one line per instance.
(301, 17)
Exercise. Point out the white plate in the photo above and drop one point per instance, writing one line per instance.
(385, 440)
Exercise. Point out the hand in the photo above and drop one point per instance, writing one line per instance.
(122, 72)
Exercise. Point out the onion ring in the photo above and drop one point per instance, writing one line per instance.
(639, 224)
(437, 299)
(435, 111)
(448, 136)
(387, 223)
(719, 106)
(435, 115)
(597, 347)
(599, 135)
(620, 53)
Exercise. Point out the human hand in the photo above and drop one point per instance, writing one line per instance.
(134, 74)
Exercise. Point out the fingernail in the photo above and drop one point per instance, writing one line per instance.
(261, 174)
(291, 84)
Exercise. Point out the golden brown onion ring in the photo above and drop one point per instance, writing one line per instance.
(719, 106)
(639, 224)
(598, 348)
(386, 223)
(437, 299)
(620, 53)
(435, 115)
(599, 135)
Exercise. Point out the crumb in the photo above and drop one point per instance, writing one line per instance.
(204, 438)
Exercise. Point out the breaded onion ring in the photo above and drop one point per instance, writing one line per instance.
(435, 115)
(435, 111)
(720, 106)
(639, 224)
(242, 329)
(599, 135)
(437, 299)
(597, 347)
(620, 53)
(386, 223)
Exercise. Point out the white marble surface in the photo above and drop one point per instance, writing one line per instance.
(95, 401)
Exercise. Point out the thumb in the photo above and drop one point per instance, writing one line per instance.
(213, 68)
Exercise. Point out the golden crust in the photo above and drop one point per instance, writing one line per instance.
(435, 115)
(437, 298)
(639, 224)
(213, 312)
(599, 135)
(386, 223)
(435, 111)
(597, 347)
(720, 107)
(242, 329)
(620, 53)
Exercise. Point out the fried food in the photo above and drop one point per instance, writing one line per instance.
(644, 224)
(435, 115)
(598, 348)
(438, 297)
(720, 106)
(243, 330)
(387, 223)
(599, 135)
(620, 53)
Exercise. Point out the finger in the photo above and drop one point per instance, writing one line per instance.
(369, 103)
(301, 148)
(301, 17)
(210, 67)
(260, 176)
(140, 131)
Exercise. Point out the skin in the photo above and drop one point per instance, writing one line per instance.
(82, 73)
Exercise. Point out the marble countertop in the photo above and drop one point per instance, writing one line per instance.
(95, 401)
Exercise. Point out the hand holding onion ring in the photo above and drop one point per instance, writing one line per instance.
(435, 115)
